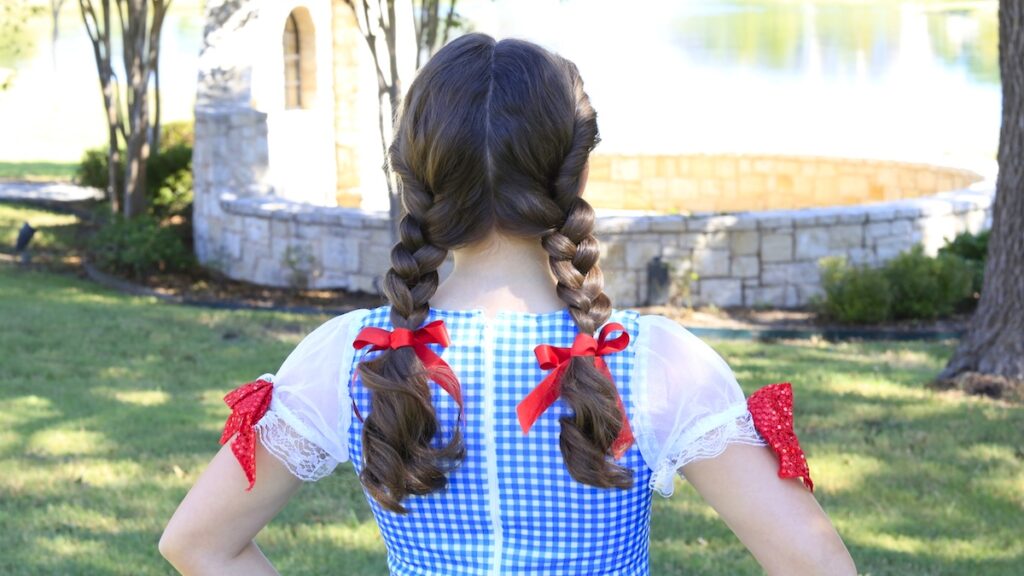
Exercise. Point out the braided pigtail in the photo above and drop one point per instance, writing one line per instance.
(573, 251)
(398, 458)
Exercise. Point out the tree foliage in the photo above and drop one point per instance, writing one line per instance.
(432, 23)
(126, 100)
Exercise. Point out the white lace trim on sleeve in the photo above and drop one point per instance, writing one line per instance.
(707, 439)
(287, 438)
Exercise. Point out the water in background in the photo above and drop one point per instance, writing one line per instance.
(870, 78)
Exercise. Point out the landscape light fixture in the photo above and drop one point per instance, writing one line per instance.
(21, 244)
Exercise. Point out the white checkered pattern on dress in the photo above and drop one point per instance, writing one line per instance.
(549, 523)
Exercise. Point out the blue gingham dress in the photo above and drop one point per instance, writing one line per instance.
(511, 506)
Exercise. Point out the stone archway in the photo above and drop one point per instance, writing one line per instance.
(293, 84)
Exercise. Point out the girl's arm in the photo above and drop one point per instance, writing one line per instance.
(213, 529)
(777, 519)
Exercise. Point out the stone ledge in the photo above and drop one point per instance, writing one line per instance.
(274, 208)
(742, 258)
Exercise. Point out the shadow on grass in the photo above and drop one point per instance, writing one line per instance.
(110, 407)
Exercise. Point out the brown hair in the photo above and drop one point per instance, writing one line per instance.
(491, 136)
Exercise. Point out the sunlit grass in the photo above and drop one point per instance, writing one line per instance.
(38, 171)
(111, 406)
(53, 230)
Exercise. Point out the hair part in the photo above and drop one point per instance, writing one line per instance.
(491, 136)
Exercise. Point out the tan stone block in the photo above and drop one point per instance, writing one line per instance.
(665, 167)
(683, 166)
(802, 186)
(711, 187)
(726, 167)
(751, 185)
(784, 184)
(625, 169)
(926, 181)
(600, 168)
(853, 186)
(702, 167)
(648, 166)
(655, 186)
(684, 188)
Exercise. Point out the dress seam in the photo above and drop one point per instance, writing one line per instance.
(490, 432)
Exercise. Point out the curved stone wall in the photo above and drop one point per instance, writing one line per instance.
(731, 182)
(764, 258)
(764, 251)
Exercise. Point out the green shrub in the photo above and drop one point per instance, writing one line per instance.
(174, 196)
(168, 172)
(973, 248)
(138, 247)
(910, 286)
(169, 182)
(854, 295)
(925, 287)
(177, 134)
(92, 170)
(968, 246)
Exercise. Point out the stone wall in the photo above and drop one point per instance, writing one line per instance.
(279, 243)
(749, 258)
(765, 258)
(771, 258)
(729, 183)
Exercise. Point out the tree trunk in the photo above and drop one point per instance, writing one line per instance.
(113, 176)
(97, 26)
(394, 90)
(133, 38)
(994, 342)
(389, 86)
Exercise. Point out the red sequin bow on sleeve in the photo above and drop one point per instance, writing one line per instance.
(557, 360)
(433, 333)
(248, 404)
(772, 411)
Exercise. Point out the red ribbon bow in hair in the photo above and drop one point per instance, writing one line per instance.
(248, 404)
(772, 411)
(550, 357)
(433, 333)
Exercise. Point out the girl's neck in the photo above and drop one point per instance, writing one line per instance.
(500, 273)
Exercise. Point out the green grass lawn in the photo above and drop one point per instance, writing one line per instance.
(38, 171)
(110, 406)
(54, 231)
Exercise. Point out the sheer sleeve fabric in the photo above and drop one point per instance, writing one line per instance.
(688, 404)
(306, 425)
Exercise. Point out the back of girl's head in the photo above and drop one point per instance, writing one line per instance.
(492, 136)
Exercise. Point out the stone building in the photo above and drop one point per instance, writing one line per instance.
(280, 118)
(289, 191)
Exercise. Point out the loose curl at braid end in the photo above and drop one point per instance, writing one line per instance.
(588, 434)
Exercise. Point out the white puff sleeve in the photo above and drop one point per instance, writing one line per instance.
(306, 424)
(688, 405)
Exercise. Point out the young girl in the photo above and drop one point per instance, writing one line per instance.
(508, 421)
